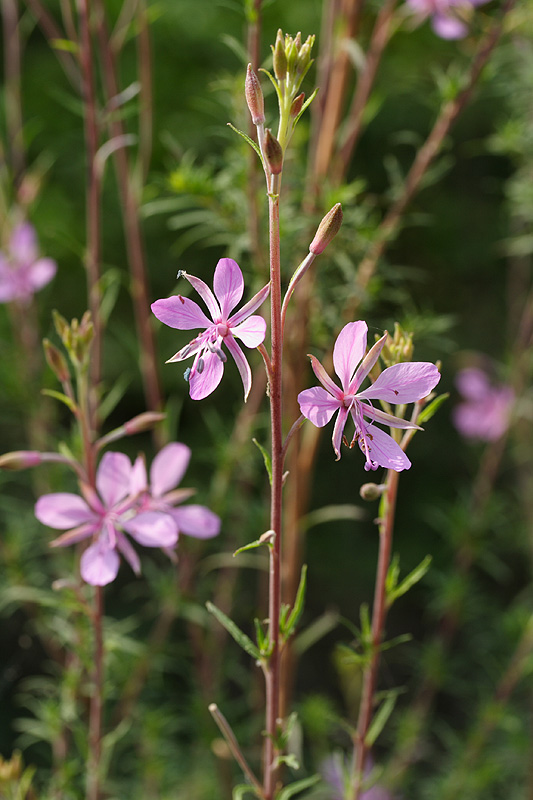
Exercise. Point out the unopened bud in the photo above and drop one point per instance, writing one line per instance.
(273, 153)
(279, 57)
(304, 59)
(291, 51)
(143, 422)
(371, 491)
(254, 96)
(56, 361)
(62, 327)
(20, 459)
(297, 105)
(327, 230)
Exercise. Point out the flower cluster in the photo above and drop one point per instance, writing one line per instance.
(222, 329)
(400, 383)
(486, 411)
(22, 271)
(126, 503)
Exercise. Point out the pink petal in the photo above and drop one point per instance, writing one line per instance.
(168, 468)
(129, 553)
(202, 384)
(338, 430)
(253, 304)
(403, 383)
(152, 529)
(197, 521)
(367, 363)
(40, 273)
(473, 383)
(139, 478)
(317, 405)
(8, 282)
(99, 564)
(251, 332)
(325, 380)
(76, 534)
(448, 27)
(23, 244)
(377, 415)
(384, 450)
(349, 349)
(242, 364)
(63, 510)
(113, 478)
(206, 294)
(181, 313)
(228, 284)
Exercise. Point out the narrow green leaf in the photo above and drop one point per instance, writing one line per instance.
(297, 787)
(401, 639)
(298, 607)
(114, 396)
(273, 81)
(432, 408)
(380, 719)
(305, 105)
(62, 398)
(243, 789)
(66, 45)
(393, 573)
(261, 542)
(266, 459)
(416, 575)
(247, 139)
(244, 641)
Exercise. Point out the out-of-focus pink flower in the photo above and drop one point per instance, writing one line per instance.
(167, 470)
(401, 383)
(486, 411)
(22, 272)
(446, 15)
(105, 516)
(180, 312)
(336, 774)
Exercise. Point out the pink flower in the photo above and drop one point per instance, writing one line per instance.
(167, 470)
(22, 272)
(105, 517)
(486, 412)
(180, 312)
(401, 383)
(336, 773)
(445, 15)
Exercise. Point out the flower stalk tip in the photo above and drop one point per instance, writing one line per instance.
(327, 230)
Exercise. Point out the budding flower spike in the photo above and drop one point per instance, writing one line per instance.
(222, 329)
(22, 271)
(400, 383)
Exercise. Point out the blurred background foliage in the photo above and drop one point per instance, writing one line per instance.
(457, 276)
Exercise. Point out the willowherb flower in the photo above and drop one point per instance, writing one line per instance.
(160, 494)
(22, 272)
(446, 15)
(486, 411)
(400, 383)
(335, 772)
(106, 516)
(223, 328)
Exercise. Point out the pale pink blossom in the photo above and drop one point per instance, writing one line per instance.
(223, 328)
(486, 411)
(401, 383)
(447, 16)
(22, 271)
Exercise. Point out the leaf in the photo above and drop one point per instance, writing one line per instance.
(266, 459)
(298, 607)
(432, 408)
(297, 787)
(247, 139)
(380, 719)
(241, 638)
(263, 540)
(66, 45)
(241, 790)
(305, 105)
(316, 631)
(414, 576)
(332, 513)
(62, 398)
(114, 396)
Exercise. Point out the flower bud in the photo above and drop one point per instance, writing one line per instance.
(20, 459)
(327, 230)
(143, 422)
(254, 96)
(297, 105)
(371, 491)
(56, 361)
(273, 153)
(279, 57)
(291, 51)
(304, 58)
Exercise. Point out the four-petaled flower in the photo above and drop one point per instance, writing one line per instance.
(401, 383)
(22, 272)
(167, 470)
(445, 15)
(180, 312)
(486, 412)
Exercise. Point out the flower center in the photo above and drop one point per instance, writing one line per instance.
(348, 400)
(222, 329)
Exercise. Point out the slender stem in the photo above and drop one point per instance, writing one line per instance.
(53, 32)
(233, 745)
(379, 613)
(95, 712)
(13, 104)
(273, 669)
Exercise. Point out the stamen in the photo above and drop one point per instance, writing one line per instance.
(187, 373)
(200, 366)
